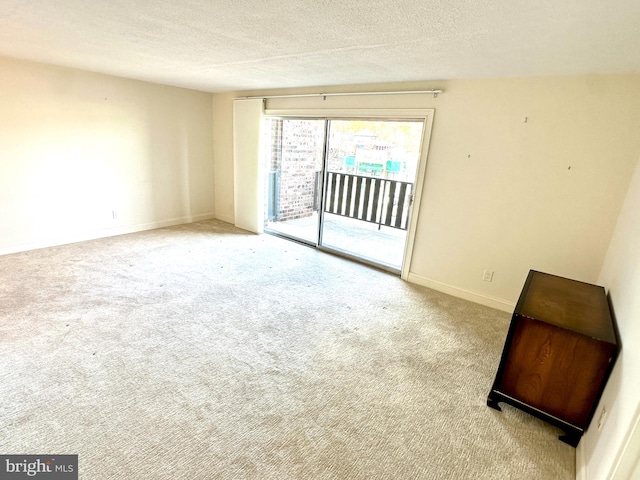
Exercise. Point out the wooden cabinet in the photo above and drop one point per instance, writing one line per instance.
(558, 354)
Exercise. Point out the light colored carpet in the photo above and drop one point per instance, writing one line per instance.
(204, 352)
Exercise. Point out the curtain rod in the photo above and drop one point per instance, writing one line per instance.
(435, 94)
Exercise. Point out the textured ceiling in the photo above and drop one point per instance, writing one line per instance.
(220, 45)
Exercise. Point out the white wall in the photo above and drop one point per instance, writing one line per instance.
(499, 193)
(223, 155)
(621, 277)
(74, 146)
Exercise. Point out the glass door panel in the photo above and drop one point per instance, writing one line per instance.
(371, 170)
(294, 182)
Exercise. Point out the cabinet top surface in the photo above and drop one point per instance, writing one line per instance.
(576, 306)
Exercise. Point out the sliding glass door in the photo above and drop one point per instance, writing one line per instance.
(344, 185)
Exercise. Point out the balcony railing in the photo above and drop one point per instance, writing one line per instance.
(371, 199)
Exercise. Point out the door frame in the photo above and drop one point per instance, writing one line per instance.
(424, 114)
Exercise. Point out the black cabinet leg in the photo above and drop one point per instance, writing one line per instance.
(493, 403)
(571, 438)
(572, 434)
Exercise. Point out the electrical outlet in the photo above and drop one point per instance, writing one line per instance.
(602, 418)
(114, 214)
(487, 276)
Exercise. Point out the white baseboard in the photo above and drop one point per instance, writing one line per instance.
(101, 233)
(161, 224)
(493, 302)
(226, 218)
(581, 466)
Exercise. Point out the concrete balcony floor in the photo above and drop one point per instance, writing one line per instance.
(382, 246)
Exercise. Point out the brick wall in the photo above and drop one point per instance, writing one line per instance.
(297, 156)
